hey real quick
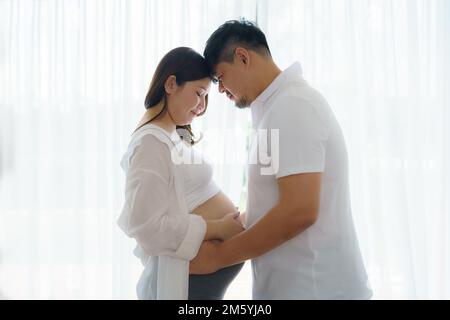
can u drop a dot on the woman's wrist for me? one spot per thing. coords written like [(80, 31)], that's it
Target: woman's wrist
[(213, 229)]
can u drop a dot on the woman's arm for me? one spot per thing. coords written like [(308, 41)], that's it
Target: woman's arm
[(145, 214)]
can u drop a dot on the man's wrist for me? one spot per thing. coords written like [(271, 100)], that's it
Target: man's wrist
[(222, 258)]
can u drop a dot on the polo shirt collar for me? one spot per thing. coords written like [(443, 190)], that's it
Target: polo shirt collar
[(258, 107)]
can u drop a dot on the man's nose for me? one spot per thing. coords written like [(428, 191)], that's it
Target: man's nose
[(221, 87)]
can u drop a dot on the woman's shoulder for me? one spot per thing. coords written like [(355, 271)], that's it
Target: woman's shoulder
[(153, 135), (147, 147)]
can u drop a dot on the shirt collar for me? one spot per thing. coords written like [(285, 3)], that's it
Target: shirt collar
[(173, 136), (258, 107)]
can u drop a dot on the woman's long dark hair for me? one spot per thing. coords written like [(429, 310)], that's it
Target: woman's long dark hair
[(186, 65)]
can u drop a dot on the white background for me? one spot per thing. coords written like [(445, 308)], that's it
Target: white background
[(73, 77)]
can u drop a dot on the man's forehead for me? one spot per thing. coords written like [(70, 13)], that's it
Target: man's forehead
[(217, 70)]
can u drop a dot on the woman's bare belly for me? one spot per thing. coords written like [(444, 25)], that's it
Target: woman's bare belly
[(216, 207), (213, 286)]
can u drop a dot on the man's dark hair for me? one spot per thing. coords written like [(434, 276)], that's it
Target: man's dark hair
[(222, 43)]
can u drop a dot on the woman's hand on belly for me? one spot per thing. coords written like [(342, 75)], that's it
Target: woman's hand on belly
[(243, 218), (221, 216), (224, 228), (230, 226)]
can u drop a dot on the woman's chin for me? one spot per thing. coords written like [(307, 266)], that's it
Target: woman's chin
[(184, 123), (188, 120)]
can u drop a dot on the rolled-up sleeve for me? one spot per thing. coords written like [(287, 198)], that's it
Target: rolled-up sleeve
[(148, 199)]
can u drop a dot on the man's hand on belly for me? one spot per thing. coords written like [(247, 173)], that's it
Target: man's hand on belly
[(207, 260)]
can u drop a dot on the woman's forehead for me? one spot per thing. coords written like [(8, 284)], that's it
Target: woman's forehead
[(202, 83)]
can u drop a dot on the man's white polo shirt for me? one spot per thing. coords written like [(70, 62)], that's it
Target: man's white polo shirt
[(324, 261)]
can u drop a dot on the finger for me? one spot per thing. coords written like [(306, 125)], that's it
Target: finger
[(234, 214)]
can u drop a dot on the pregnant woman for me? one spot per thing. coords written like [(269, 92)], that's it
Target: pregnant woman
[(172, 204)]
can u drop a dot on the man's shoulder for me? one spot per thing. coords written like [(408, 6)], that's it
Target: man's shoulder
[(297, 91), (291, 100), (296, 99)]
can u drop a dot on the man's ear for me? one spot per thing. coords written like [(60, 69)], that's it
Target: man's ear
[(171, 84), (242, 55)]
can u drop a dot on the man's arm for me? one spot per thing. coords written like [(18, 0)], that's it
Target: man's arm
[(296, 210)]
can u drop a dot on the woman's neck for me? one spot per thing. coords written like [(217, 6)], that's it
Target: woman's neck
[(163, 121)]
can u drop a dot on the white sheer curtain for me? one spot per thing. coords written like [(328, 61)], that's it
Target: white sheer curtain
[(384, 67), (73, 76)]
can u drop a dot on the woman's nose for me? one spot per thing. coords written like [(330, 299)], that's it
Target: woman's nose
[(201, 105)]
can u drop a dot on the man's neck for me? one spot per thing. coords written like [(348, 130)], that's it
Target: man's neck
[(266, 76)]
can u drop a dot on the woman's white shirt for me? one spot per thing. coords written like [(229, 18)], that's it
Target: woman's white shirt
[(155, 213), (197, 173)]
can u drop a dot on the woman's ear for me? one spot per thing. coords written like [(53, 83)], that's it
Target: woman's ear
[(171, 84)]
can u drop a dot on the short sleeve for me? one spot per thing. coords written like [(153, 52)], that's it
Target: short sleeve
[(145, 215), (302, 137)]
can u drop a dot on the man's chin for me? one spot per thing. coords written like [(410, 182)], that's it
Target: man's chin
[(242, 104)]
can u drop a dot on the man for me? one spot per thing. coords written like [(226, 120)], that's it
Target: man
[(300, 234)]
